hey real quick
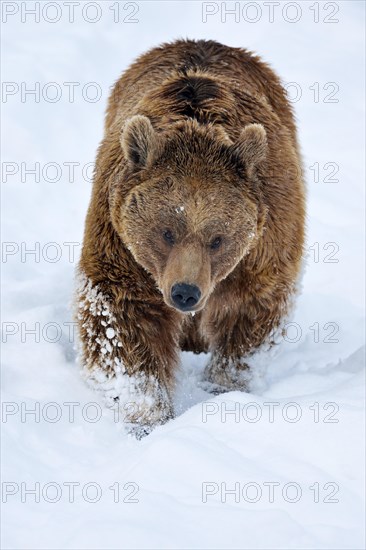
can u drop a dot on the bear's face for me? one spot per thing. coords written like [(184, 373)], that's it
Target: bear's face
[(190, 215)]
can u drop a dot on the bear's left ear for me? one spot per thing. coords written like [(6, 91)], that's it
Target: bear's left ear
[(252, 146), (138, 140)]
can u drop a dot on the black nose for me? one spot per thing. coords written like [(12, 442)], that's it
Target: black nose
[(185, 296)]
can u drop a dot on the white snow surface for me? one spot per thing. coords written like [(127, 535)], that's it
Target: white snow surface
[(285, 468)]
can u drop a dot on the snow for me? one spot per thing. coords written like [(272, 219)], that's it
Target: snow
[(280, 467), (110, 333)]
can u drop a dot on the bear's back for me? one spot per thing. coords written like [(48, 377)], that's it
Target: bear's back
[(238, 69)]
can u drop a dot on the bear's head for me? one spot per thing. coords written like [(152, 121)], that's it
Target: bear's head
[(189, 205)]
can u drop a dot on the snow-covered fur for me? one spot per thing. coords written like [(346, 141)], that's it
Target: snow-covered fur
[(138, 394)]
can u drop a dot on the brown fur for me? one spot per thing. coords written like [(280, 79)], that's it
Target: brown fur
[(199, 141)]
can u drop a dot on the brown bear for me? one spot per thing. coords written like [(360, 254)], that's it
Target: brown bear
[(198, 207)]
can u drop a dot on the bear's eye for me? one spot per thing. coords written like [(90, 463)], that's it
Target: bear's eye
[(216, 243), (168, 237)]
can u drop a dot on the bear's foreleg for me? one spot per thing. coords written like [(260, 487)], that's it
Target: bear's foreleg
[(129, 352), (227, 369), (234, 337)]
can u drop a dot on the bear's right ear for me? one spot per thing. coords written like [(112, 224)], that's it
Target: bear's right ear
[(138, 140)]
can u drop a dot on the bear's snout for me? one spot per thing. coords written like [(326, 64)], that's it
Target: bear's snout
[(185, 296)]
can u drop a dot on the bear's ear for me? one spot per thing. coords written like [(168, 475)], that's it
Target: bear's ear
[(138, 140), (252, 146)]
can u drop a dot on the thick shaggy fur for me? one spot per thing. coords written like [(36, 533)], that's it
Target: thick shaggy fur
[(199, 148)]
